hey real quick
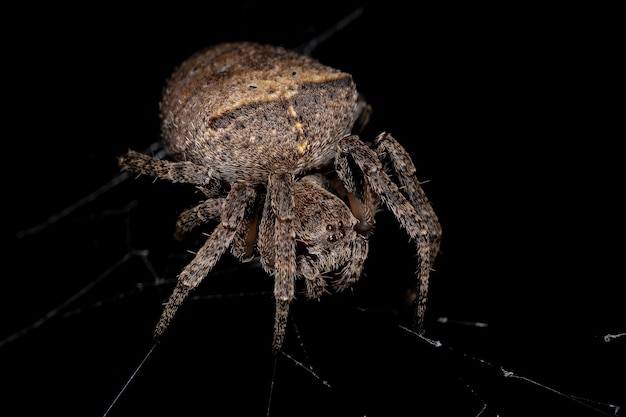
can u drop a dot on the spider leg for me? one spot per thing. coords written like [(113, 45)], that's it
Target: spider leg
[(363, 206), (314, 282), (209, 210), (351, 273), (389, 150), (202, 213), (244, 242), (235, 204), (352, 153), (184, 172), (277, 245)]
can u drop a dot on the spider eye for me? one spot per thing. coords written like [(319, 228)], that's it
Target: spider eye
[(340, 224), (330, 227), (332, 238)]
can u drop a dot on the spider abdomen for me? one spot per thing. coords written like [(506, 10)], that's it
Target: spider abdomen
[(248, 110)]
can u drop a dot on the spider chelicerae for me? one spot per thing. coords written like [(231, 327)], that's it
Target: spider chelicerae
[(270, 138)]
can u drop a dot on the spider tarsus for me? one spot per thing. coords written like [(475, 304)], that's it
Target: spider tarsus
[(280, 324), (176, 299)]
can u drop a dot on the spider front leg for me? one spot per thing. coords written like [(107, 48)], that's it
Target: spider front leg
[(353, 153), (277, 246), (209, 210), (233, 214), (389, 150)]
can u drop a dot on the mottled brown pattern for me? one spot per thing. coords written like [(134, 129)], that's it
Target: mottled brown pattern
[(269, 137), (277, 107)]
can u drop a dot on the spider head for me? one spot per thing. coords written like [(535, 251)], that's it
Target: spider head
[(324, 222)]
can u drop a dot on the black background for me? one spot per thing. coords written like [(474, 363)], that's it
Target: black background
[(511, 115)]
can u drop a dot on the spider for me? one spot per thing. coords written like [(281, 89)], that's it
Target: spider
[(271, 139)]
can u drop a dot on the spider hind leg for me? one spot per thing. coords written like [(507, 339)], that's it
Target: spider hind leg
[(177, 172)]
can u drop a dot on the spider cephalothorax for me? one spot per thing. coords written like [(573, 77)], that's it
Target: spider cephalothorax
[(268, 136)]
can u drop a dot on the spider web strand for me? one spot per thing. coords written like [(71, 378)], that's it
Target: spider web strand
[(55, 311), (119, 394)]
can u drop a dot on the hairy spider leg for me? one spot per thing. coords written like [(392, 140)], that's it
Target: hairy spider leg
[(243, 245), (352, 151), (204, 212), (390, 151), (236, 229), (234, 211), (351, 273), (183, 172), (277, 245)]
